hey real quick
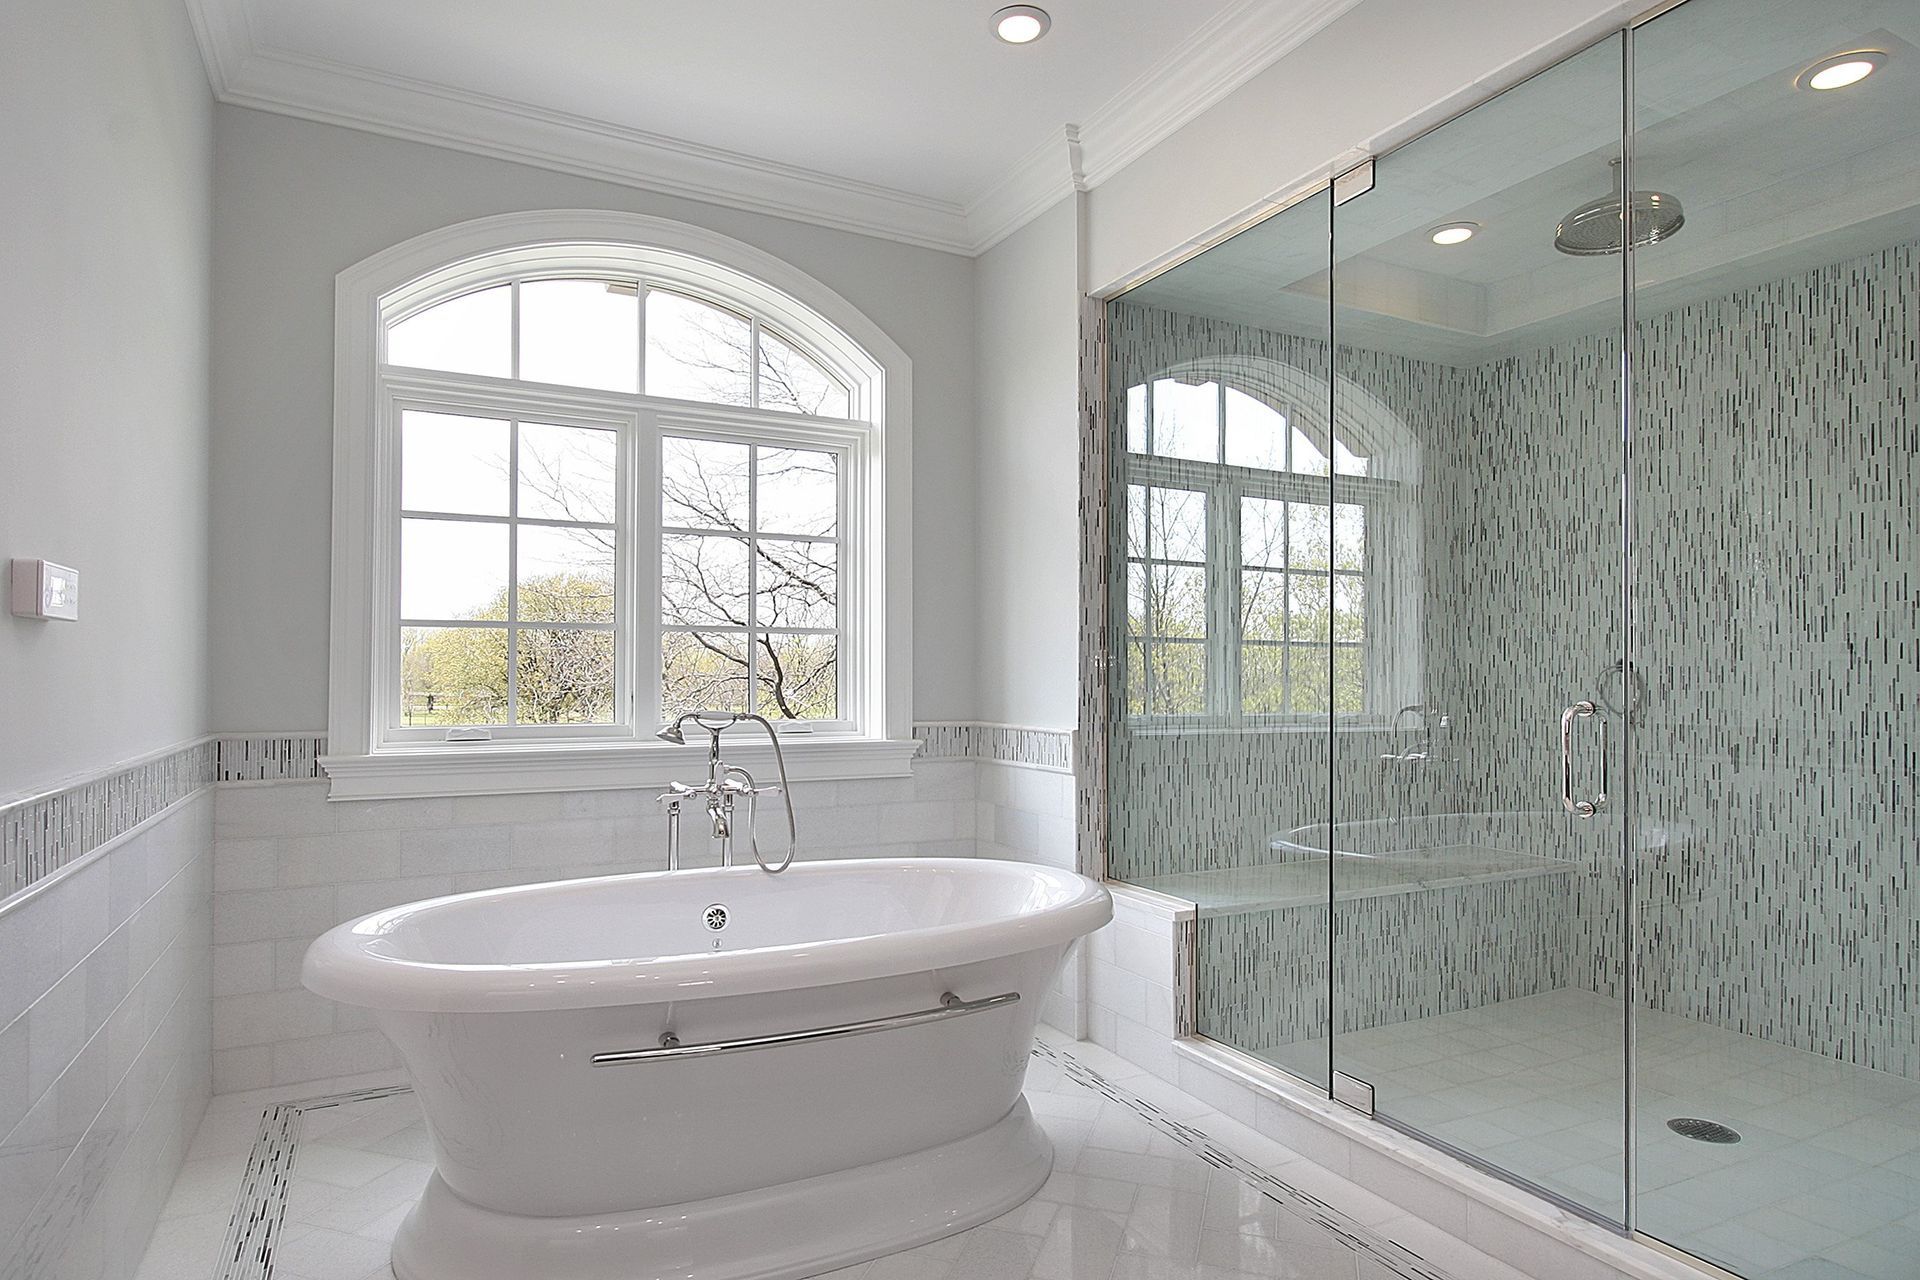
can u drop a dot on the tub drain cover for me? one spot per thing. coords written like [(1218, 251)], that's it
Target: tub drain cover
[(1703, 1130)]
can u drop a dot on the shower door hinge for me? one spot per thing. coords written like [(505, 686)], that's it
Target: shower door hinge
[(1356, 181), (1353, 1091)]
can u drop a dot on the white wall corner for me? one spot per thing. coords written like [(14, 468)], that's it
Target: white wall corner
[(1043, 177)]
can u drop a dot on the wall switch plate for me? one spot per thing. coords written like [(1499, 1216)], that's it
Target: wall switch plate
[(43, 589)]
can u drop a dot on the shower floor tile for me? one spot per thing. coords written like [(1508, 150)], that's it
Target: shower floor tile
[(1149, 1184), (1825, 1180)]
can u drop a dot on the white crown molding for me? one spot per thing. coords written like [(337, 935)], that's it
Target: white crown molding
[(1043, 177), (1221, 55), (1218, 57)]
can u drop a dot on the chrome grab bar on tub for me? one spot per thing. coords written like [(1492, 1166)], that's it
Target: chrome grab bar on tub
[(951, 1006)]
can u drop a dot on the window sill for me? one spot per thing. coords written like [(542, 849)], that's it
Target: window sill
[(1197, 728), (507, 768)]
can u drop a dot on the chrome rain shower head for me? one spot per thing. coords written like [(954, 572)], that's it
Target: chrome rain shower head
[(1594, 229)]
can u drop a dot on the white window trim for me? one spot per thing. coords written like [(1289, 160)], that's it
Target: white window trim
[(441, 263)]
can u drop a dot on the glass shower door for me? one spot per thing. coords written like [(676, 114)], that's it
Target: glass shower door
[(1776, 636), (1475, 604)]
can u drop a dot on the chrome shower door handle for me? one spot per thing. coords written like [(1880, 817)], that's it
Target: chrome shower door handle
[(1582, 808)]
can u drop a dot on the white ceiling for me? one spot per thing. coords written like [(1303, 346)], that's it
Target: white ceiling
[(902, 117)]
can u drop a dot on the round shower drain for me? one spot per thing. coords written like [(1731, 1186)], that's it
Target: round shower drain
[(1703, 1130), (716, 917)]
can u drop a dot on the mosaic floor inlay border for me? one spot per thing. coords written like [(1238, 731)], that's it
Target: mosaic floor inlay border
[(261, 1205), (260, 1208)]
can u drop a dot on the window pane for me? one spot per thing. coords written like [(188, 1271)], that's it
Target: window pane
[(1263, 532), (566, 575), (1308, 458), (798, 677), (696, 351), (1186, 420), (452, 569), (580, 333), (1177, 525), (1178, 678), (453, 675), (799, 491), (1308, 533), (1307, 675), (1263, 676), (703, 484), (1136, 677), (1309, 607), (1178, 600), (798, 586), (568, 473), (1138, 501), (792, 383), (703, 580), (1349, 536), (564, 677), (1349, 608), (1348, 463), (1137, 620), (702, 671), (452, 463), (1349, 678), (1263, 604), (1137, 418), (1256, 433), (469, 334)]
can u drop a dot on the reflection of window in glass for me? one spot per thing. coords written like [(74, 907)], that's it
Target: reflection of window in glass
[(1211, 421), (749, 579), (1167, 600), (1262, 610), (506, 524)]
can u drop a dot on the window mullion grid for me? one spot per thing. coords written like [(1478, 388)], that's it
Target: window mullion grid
[(753, 361), (1286, 606), (513, 551), (1148, 620), (1226, 524), (640, 332), (753, 568)]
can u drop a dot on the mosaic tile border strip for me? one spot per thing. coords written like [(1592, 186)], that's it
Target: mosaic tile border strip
[(261, 1205), (999, 743), (41, 834), (1091, 745), (282, 757), (1391, 1254)]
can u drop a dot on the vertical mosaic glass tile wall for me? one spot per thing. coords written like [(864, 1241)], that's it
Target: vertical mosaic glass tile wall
[(1391, 495)]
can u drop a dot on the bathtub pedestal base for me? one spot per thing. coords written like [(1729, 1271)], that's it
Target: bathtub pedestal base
[(794, 1229)]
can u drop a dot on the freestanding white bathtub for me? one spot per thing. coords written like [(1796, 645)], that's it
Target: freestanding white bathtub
[(806, 1070)]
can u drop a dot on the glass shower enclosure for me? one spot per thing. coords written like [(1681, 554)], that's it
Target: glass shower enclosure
[(1515, 585)]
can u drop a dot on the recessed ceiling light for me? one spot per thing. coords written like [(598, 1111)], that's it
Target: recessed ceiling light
[(1020, 23), (1841, 70), (1453, 232)]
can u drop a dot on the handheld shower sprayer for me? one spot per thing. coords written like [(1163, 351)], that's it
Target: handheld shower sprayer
[(724, 782)]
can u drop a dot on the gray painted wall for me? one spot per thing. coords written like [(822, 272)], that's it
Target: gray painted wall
[(299, 202), (108, 158)]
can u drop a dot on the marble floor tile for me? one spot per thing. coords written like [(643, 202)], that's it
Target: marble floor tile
[(1821, 1183), (1130, 1198)]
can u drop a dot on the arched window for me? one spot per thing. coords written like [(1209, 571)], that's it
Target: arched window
[(599, 482), (1269, 554)]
